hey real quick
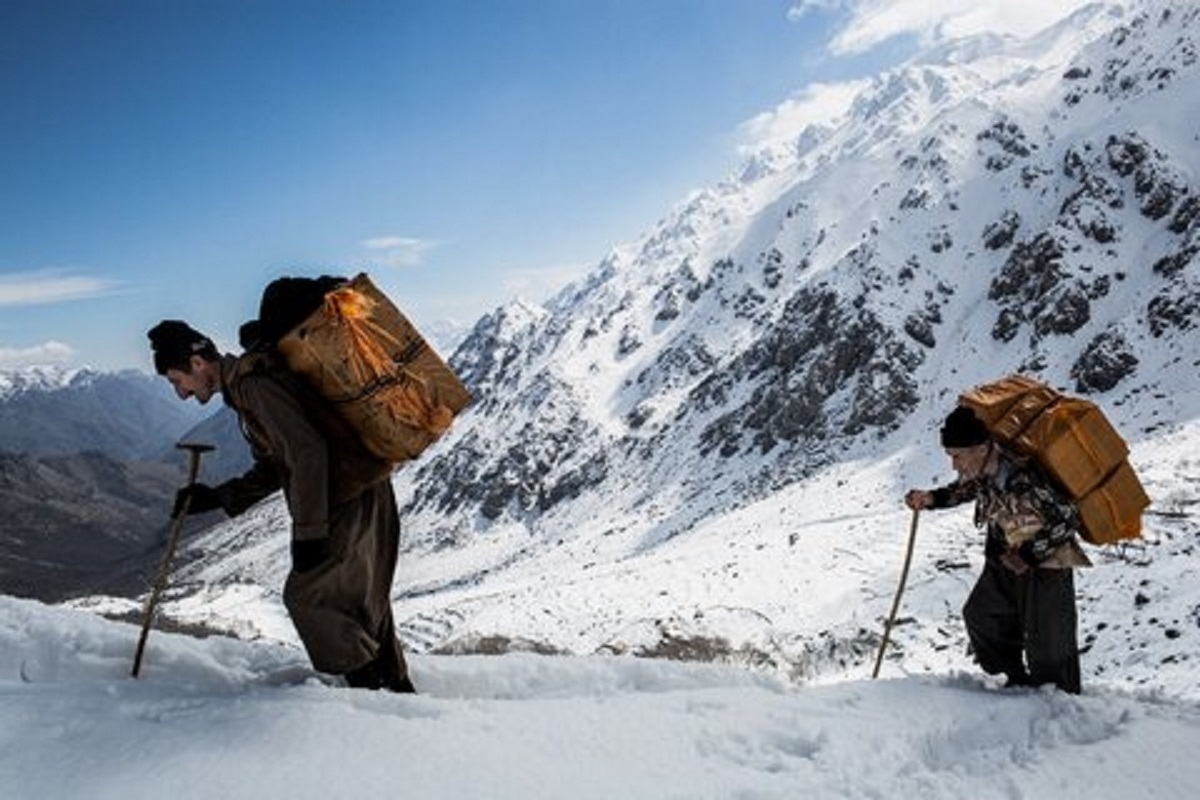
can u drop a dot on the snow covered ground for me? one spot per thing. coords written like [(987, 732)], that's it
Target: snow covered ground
[(221, 718), (794, 588)]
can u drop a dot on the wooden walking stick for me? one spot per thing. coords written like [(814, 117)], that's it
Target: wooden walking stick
[(887, 628), (164, 569)]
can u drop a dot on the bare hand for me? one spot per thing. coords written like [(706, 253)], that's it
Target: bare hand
[(1012, 559), (918, 499)]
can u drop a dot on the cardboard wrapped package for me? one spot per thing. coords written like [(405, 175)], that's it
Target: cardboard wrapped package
[(1075, 443)]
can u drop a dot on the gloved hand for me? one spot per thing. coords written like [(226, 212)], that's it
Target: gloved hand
[(203, 498), (308, 554)]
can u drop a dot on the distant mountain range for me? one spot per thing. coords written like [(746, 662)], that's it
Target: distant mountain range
[(87, 474), (81, 524), (124, 415)]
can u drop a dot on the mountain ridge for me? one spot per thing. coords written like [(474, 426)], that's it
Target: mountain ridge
[(54, 411), (720, 296)]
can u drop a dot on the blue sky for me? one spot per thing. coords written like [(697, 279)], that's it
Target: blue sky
[(163, 158)]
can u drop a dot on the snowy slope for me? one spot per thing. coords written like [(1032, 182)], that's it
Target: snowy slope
[(993, 207), (222, 718), (796, 585)]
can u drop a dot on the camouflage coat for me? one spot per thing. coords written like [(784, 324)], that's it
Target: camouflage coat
[(1022, 511)]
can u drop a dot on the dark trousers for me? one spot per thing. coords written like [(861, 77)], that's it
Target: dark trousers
[(1024, 626), (342, 609)]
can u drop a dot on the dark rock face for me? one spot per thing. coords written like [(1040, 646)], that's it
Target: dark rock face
[(1170, 311), (1004, 143), (921, 326), (821, 345), (539, 467), (1000, 233), (1157, 188), (1034, 287), (677, 365), (1105, 362)]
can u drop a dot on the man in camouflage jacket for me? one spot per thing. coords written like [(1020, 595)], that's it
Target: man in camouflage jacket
[(1020, 617), (345, 524)]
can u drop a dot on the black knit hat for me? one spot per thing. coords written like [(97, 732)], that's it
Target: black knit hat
[(963, 429), (174, 342)]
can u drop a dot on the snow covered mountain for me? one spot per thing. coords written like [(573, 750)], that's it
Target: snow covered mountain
[(699, 450), (43, 378), (994, 207)]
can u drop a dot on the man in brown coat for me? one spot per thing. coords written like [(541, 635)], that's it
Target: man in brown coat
[(345, 524)]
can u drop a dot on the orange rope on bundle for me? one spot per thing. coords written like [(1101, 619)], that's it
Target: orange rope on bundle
[(408, 399)]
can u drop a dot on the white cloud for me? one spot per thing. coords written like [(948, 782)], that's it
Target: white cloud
[(47, 353), (872, 22), (49, 286), (398, 251), (815, 104), (802, 8)]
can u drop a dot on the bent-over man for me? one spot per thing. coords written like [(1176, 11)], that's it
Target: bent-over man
[(345, 524), (1020, 617)]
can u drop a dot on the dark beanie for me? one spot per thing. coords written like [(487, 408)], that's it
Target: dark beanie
[(963, 429), (174, 342)]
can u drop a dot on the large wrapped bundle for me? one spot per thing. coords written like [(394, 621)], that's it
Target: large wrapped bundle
[(1077, 446), (364, 356)]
